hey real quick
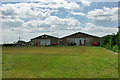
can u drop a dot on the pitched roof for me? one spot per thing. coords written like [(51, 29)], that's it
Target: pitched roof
[(65, 36), (80, 33), (44, 35)]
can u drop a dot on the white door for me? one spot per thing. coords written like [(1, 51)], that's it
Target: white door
[(82, 41), (45, 42), (79, 41)]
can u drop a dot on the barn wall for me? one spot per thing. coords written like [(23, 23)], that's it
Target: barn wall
[(67, 41), (44, 41), (89, 40), (64, 41), (97, 40), (52, 40), (40, 42), (75, 38)]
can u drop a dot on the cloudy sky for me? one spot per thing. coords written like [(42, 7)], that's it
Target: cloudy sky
[(57, 18)]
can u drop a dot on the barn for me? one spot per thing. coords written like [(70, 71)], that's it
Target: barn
[(44, 40), (80, 39)]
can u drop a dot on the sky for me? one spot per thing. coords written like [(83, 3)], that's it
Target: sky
[(58, 18)]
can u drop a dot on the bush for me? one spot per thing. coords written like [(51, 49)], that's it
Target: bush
[(115, 48), (107, 46)]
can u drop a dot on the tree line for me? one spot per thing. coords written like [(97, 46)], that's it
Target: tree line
[(112, 42)]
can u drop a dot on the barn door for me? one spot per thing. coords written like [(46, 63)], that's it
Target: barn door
[(80, 42), (84, 42)]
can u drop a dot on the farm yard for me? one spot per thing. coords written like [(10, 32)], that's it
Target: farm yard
[(59, 62)]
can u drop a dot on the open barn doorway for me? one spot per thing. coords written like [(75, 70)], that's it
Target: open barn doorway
[(82, 42)]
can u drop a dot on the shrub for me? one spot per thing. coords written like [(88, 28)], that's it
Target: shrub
[(115, 48), (107, 46)]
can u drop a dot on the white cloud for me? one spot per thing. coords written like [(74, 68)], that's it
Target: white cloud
[(99, 30), (8, 10), (54, 23), (62, 24), (54, 26), (85, 2), (27, 11), (31, 11), (9, 23), (57, 4), (104, 15), (78, 13), (29, 20), (70, 25)]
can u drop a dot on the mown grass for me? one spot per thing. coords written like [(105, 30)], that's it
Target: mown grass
[(59, 62)]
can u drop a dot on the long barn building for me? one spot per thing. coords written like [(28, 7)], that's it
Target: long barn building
[(44, 40), (79, 39)]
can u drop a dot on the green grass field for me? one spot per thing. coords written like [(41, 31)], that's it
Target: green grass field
[(59, 62)]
